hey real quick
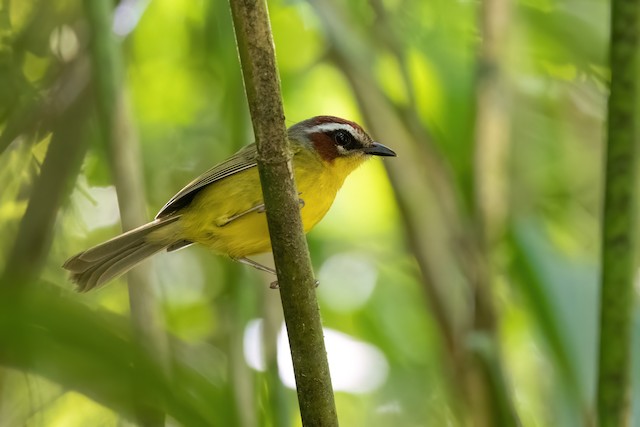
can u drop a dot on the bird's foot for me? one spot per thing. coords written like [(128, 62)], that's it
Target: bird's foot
[(276, 285)]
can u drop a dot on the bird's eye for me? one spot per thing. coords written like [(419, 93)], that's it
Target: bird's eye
[(344, 139)]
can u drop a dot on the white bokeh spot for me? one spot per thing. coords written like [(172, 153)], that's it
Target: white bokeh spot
[(355, 366), (347, 281)]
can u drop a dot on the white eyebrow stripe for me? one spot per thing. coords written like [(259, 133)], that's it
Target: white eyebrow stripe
[(329, 127)]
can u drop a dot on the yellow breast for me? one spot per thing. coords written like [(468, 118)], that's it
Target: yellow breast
[(207, 220)]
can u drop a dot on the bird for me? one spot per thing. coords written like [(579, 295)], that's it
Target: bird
[(223, 208)]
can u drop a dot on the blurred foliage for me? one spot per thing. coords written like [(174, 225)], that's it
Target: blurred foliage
[(69, 359)]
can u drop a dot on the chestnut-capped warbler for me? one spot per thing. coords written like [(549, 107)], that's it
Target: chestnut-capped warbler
[(223, 209)]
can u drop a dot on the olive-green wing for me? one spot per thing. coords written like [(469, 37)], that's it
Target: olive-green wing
[(242, 160)]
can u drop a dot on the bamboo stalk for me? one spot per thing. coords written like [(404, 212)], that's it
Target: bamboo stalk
[(618, 227)]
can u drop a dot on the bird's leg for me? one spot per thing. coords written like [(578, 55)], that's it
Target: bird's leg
[(258, 266), (257, 208), (255, 264), (246, 261)]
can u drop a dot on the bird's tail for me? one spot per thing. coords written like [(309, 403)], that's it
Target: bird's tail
[(96, 266)]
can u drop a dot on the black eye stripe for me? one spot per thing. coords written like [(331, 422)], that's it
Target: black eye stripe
[(345, 139)]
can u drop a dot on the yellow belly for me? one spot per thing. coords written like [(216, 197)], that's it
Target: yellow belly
[(207, 219)]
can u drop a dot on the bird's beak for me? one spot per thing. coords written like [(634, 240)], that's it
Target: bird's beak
[(377, 149)]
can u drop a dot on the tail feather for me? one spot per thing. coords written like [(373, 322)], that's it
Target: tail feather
[(102, 263), (116, 244), (101, 273), (94, 275)]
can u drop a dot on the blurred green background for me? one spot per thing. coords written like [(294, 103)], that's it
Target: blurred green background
[(399, 256)]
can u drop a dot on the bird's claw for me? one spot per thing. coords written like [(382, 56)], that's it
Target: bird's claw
[(275, 285)]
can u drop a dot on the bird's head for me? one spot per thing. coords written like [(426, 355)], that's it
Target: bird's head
[(337, 141)]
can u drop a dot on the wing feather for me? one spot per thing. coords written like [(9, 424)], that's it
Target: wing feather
[(242, 160)]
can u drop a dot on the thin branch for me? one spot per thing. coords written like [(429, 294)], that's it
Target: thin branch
[(619, 219), (61, 165), (295, 276), (429, 242), (422, 216), (492, 123), (491, 147), (443, 253)]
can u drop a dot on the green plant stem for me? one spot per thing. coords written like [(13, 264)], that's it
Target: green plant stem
[(618, 219), (124, 159), (291, 255)]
